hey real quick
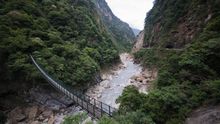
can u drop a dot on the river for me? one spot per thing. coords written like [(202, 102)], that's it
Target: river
[(48, 106), (115, 81)]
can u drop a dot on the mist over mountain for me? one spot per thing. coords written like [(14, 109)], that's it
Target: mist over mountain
[(136, 31)]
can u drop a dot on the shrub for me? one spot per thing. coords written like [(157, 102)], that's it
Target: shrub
[(107, 120), (214, 24), (130, 100), (3, 118), (75, 119)]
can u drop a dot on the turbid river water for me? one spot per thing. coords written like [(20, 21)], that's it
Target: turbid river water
[(115, 81)]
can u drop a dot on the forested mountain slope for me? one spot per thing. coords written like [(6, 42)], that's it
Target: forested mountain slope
[(122, 34), (67, 37), (175, 23), (182, 42)]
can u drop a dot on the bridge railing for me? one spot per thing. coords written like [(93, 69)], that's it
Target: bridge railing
[(93, 106)]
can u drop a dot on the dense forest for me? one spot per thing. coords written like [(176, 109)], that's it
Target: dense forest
[(71, 41), (66, 37), (182, 42)]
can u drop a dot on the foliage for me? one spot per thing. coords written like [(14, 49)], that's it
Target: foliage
[(76, 119), (136, 117), (170, 23), (214, 24), (3, 118), (166, 100), (187, 78), (120, 31), (107, 120), (64, 36), (130, 99), (129, 118)]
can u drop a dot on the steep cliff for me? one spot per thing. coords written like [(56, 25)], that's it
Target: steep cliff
[(120, 31), (182, 42), (138, 44), (176, 23)]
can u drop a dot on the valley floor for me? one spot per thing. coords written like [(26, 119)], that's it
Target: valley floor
[(117, 78), (44, 104)]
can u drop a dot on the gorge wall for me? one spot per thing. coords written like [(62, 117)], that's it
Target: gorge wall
[(139, 42), (182, 41), (120, 31), (176, 23)]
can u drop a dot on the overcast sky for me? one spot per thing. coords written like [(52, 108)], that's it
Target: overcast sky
[(131, 11)]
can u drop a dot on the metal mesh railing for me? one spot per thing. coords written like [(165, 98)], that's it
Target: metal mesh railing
[(93, 106)]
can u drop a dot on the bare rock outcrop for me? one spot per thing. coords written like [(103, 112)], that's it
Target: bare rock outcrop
[(139, 42), (205, 115), (45, 106)]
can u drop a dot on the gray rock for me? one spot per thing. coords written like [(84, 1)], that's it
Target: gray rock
[(16, 115), (40, 118), (66, 101), (35, 122), (47, 113), (54, 104), (51, 120), (20, 117), (33, 111)]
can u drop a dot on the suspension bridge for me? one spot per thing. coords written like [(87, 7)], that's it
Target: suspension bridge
[(94, 107)]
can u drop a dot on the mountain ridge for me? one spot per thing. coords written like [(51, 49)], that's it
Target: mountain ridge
[(136, 31), (120, 31)]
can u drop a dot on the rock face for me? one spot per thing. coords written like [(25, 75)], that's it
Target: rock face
[(45, 106), (120, 30), (175, 23), (139, 42), (17, 114), (207, 115)]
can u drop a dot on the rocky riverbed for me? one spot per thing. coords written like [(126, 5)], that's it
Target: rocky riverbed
[(116, 79)]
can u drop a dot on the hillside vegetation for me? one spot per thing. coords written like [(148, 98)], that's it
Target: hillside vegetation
[(176, 23), (122, 34), (188, 77), (66, 37)]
